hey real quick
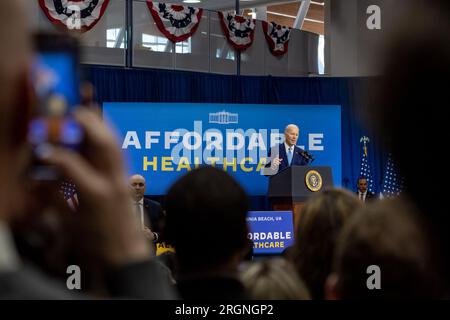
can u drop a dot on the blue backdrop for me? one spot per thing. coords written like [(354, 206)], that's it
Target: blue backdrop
[(147, 85), (164, 140)]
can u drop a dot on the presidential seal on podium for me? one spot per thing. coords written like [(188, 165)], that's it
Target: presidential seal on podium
[(313, 180)]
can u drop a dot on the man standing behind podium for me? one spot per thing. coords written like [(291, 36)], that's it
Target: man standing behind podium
[(149, 213), (288, 154), (363, 193)]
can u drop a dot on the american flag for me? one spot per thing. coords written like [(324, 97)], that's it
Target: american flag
[(392, 182), (69, 193), (364, 170)]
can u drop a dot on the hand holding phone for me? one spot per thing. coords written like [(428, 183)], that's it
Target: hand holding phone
[(56, 78)]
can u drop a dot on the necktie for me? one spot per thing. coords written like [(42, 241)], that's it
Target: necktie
[(290, 155), (139, 215)]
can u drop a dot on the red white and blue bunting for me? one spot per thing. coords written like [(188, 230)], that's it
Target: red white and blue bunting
[(176, 22), (76, 15), (239, 31), (277, 37)]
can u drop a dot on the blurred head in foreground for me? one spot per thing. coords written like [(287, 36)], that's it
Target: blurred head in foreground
[(408, 109), (206, 221), (15, 103), (273, 279), (322, 219), (383, 252)]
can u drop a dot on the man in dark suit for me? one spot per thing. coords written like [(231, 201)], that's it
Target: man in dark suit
[(287, 154), (149, 213), (363, 193)]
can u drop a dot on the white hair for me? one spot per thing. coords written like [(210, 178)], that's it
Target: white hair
[(291, 125)]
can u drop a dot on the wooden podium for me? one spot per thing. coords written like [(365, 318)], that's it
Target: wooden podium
[(289, 190)]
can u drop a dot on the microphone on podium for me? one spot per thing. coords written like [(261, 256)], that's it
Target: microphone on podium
[(305, 154)]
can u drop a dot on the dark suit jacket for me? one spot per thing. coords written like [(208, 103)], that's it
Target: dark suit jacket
[(369, 196), (154, 217), (297, 160)]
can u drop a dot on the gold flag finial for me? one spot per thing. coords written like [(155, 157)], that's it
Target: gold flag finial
[(364, 140)]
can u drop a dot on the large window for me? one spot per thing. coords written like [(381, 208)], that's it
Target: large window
[(207, 50), (155, 43), (184, 47), (224, 54), (115, 38), (321, 54)]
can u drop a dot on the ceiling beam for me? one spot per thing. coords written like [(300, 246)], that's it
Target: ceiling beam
[(301, 14), (230, 4)]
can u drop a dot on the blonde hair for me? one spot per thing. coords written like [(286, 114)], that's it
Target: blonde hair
[(273, 279)]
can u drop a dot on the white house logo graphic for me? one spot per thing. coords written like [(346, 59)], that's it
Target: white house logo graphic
[(223, 117)]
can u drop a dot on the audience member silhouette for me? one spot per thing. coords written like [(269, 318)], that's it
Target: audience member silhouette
[(206, 223), (273, 279), (384, 253), (322, 219), (407, 107)]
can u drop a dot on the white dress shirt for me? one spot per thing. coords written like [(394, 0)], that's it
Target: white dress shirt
[(141, 217), (140, 211), (286, 146), (362, 196), (291, 148)]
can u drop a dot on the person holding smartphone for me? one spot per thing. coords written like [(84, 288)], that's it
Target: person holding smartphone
[(110, 236)]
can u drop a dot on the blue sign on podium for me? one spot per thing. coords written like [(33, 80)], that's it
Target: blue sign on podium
[(270, 231)]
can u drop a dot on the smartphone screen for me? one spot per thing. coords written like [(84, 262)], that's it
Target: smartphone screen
[(56, 82), (55, 73)]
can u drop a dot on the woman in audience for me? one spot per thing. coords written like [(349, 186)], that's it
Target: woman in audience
[(273, 279), (320, 223)]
